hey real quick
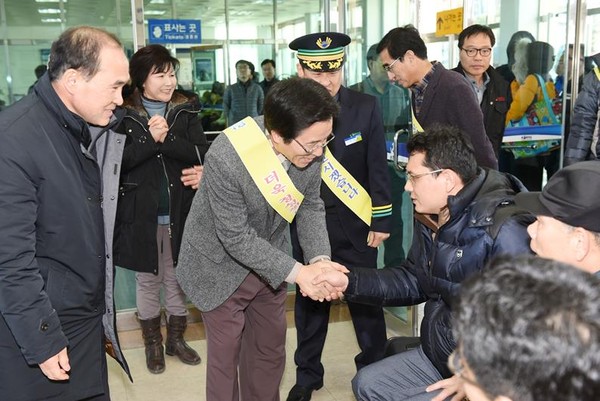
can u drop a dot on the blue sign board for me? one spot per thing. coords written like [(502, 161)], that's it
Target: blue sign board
[(174, 31)]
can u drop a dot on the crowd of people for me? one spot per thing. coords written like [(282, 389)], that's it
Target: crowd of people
[(105, 163)]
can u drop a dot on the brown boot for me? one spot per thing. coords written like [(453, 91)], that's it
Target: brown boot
[(176, 345), (155, 357)]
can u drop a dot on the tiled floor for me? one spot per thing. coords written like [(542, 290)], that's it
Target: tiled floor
[(181, 382)]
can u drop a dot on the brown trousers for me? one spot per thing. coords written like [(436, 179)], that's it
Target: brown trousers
[(246, 332)]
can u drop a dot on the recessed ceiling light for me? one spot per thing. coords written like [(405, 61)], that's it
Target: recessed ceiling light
[(49, 11)]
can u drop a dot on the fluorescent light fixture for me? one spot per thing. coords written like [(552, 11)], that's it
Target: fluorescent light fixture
[(154, 12), (49, 11), (158, 1), (51, 20), (50, 1)]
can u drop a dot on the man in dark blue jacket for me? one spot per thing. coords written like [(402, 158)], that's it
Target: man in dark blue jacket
[(60, 161), (461, 223)]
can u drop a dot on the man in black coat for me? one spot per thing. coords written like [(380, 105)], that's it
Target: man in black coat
[(60, 162), (460, 224), (475, 45), (359, 146)]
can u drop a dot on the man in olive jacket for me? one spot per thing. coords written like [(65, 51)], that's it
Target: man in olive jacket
[(60, 163)]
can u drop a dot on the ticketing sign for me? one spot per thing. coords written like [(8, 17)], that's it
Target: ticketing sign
[(165, 31)]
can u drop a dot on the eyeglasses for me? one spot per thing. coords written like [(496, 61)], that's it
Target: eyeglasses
[(312, 149), (413, 177), (388, 67), (485, 52)]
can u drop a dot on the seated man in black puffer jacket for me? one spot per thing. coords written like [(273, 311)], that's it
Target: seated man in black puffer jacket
[(463, 217)]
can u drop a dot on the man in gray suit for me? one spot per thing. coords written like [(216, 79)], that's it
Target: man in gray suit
[(234, 263)]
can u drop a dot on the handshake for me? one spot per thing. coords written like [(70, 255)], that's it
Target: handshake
[(322, 281)]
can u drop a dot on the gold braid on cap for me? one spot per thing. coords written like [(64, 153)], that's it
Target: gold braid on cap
[(313, 65), (334, 65)]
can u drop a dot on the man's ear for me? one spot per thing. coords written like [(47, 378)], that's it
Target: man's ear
[(70, 79), (581, 239), (451, 180), (370, 64), (275, 137), (300, 70), (502, 398)]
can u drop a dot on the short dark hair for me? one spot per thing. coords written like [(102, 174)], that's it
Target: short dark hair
[(295, 104), (79, 48), (445, 146), (475, 29), (150, 59), (400, 40), (372, 53), (249, 64), (268, 61), (40, 70), (529, 330)]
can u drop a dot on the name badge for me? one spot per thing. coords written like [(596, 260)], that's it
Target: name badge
[(353, 138)]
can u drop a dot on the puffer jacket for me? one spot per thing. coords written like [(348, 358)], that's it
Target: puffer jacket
[(494, 105), (436, 265), (584, 123), (144, 164)]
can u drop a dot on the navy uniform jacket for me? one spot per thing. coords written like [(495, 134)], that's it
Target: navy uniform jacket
[(364, 159)]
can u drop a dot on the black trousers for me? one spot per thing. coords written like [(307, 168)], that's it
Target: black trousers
[(312, 317)]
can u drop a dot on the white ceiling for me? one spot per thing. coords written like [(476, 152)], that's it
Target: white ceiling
[(25, 15)]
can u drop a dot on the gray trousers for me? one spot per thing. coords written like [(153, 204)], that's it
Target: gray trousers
[(148, 285), (246, 333), (403, 376)]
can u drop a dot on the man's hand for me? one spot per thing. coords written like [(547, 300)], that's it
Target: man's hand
[(57, 366), (323, 290), (191, 176), (374, 239), (450, 386), (335, 279), (158, 127)]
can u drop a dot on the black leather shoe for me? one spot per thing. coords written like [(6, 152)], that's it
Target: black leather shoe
[(299, 393)]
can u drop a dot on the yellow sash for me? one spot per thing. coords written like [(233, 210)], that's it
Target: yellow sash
[(346, 188), (416, 125), (257, 154)]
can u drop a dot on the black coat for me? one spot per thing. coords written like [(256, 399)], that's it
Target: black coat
[(365, 160), (145, 163), (58, 187), (494, 105), (435, 267)]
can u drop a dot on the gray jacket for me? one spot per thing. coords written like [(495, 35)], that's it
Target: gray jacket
[(232, 230), (242, 100)]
